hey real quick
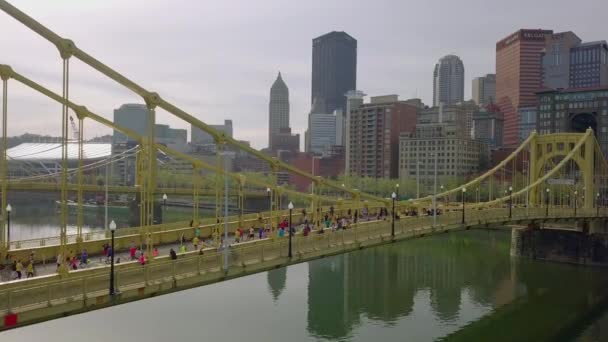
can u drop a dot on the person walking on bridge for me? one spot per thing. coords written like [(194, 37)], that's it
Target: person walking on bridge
[(173, 254), (30, 269), (110, 252), (19, 269), (195, 242), (237, 235), (84, 257)]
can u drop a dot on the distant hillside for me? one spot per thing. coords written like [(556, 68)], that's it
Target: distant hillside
[(29, 137)]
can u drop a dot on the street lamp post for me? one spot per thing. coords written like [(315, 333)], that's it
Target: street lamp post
[(597, 204), (164, 206), (105, 222), (435, 193), (418, 179), (112, 230), (269, 194), (575, 201), (8, 225), (510, 201), (393, 196), (527, 183), (312, 184), (290, 207), (547, 201), (397, 189), (464, 191)]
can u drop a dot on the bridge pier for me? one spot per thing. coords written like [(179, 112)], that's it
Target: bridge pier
[(583, 246)]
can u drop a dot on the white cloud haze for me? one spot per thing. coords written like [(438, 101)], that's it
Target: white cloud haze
[(218, 59)]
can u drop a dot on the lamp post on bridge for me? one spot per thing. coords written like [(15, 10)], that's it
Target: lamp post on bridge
[(290, 207), (269, 194), (112, 230), (575, 201), (510, 201), (418, 179), (597, 204), (8, 226), (393, 196), (464, 191), (164, 206), (547, 201), (435, 192)]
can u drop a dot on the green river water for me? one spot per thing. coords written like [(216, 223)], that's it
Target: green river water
[(463, 285)]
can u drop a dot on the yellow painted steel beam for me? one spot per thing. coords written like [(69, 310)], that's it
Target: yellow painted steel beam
[(4, 241), (540, 180), (85, 113), (66, 46), (486, 174), (54, 187)]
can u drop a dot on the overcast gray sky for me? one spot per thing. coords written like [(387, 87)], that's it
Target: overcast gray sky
[(218, 59)]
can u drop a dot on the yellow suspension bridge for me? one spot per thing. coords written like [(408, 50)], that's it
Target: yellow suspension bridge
[(517, 191)]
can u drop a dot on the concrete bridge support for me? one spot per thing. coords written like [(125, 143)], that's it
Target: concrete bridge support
[(568, 246)]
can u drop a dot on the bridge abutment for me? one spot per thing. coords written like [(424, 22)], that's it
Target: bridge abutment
[(584, 246)]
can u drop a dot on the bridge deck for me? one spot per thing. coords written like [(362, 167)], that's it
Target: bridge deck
[(45, 297)]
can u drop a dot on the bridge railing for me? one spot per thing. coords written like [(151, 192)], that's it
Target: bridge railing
[(88, 285), (47, 248)]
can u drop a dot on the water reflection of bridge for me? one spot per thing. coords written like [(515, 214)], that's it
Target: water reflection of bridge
[(381, 283), (384, 284)]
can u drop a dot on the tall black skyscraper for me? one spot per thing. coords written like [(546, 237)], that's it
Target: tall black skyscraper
[(334, 71)]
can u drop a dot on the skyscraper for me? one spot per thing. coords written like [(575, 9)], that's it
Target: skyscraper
[(484, 89), (354, 100), (278, 108), (448, 81), (322, 132), (589, 65), (374, 136), (518, 76), (133, 116), (334, 71), (556, 59)]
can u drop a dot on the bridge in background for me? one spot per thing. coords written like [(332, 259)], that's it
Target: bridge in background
[(548, 178)]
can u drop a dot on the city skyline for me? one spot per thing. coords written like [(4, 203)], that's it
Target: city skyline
[(217, 81)]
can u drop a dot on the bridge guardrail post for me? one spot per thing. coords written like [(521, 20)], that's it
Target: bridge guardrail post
[(48, 295), (84, 291), (173, 271), (9, 300), (198, 265), (146, 274), (262, 253)]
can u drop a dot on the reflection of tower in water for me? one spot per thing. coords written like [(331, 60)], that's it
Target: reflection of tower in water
[(381, 283), (276, 282)]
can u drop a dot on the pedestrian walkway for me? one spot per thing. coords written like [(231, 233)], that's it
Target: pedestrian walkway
[(123, 256)]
